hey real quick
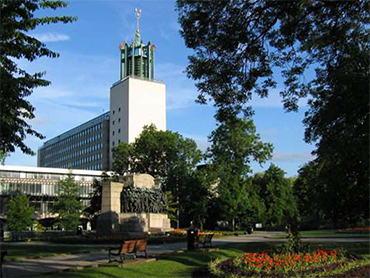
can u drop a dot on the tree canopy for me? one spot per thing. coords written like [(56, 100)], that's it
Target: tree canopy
[(19, 213), (68, 206), (234, 145), (238, 43), (17, 19), (165, 155), (321, 51), (276, 193)]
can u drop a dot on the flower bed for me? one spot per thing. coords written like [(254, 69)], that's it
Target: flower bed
[(269, 264)]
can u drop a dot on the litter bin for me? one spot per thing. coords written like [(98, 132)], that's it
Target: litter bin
[(192, 236), (79, 231), (250, 230)]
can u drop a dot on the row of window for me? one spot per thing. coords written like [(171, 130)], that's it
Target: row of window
[(74, 146), (75, 154), (114, 143), (119, 110), (119, 120), (39, 189), (42, 176), (119, 131), (97, 166), (76, 136)]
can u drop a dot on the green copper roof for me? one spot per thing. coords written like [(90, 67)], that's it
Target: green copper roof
[(137, 59)]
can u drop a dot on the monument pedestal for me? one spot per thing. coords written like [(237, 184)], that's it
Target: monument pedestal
[(111, 220)]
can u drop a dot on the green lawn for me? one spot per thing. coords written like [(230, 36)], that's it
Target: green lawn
[(184, 264), (328, 233), (32, 250)]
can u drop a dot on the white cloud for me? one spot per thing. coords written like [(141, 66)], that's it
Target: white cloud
[(181, 92), (51, 37)]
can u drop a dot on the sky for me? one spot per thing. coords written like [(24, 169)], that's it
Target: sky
[(89, 64)]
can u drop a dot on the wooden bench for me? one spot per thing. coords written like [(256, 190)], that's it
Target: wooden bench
[(129, 247), (141, 247), (2, 256), (206, 239)]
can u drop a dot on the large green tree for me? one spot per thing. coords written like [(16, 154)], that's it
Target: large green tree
[(308, 190), (17, 19), (235, 144), (19, 213), (321, 51), (276, 192), (166, 155), (238, 43), (68, 206)]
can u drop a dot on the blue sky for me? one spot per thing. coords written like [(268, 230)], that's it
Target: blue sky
[(89, 64)]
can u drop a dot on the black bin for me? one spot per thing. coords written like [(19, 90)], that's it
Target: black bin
[(192, 236)]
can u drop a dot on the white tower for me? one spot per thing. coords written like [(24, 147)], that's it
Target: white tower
[(136, 100)]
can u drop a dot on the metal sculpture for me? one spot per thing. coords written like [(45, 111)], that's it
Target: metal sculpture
[(143, 200)]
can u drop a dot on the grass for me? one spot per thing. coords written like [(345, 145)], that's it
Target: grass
[(184, 264), (32, 250), (328, 234)]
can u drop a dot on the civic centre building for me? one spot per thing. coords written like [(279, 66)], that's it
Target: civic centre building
[(136, 100), (41, 186)]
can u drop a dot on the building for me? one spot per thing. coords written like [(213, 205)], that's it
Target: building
[(83, 147), (41, 186), (136, 100)]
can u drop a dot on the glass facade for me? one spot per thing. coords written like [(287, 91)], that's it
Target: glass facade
[(41, 186), (84, 147)]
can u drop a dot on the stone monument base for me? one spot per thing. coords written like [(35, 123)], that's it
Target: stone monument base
[(111, 220), (133, 223)]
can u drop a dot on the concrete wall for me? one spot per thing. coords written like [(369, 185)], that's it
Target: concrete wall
[(135, 103)]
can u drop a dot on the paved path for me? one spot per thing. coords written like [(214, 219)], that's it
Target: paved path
[(36, 267)]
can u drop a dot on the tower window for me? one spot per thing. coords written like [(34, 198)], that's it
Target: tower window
[(113, 112), (119, 120), (113, 122), (119, 109), (119, 130)]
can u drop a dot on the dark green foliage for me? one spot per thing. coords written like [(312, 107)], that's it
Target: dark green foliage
[(3, 156), (95, 202), (167, 156), (234, 145), (162, 154), (19, 213), (306, 188), (276, 193), (321, 49), (237, 44), (17, 19), (196, 195), (68, 206)]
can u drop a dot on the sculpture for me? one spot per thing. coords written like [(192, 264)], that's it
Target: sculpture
[(143, 200)]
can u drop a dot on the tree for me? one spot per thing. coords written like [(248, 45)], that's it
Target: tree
[(237, 44), (3, 156), (68, 206), (195, 197), (17, 19), (19, 213), (234, 145), (308, 187), (276, 192), (165, 155), (240, 45)]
